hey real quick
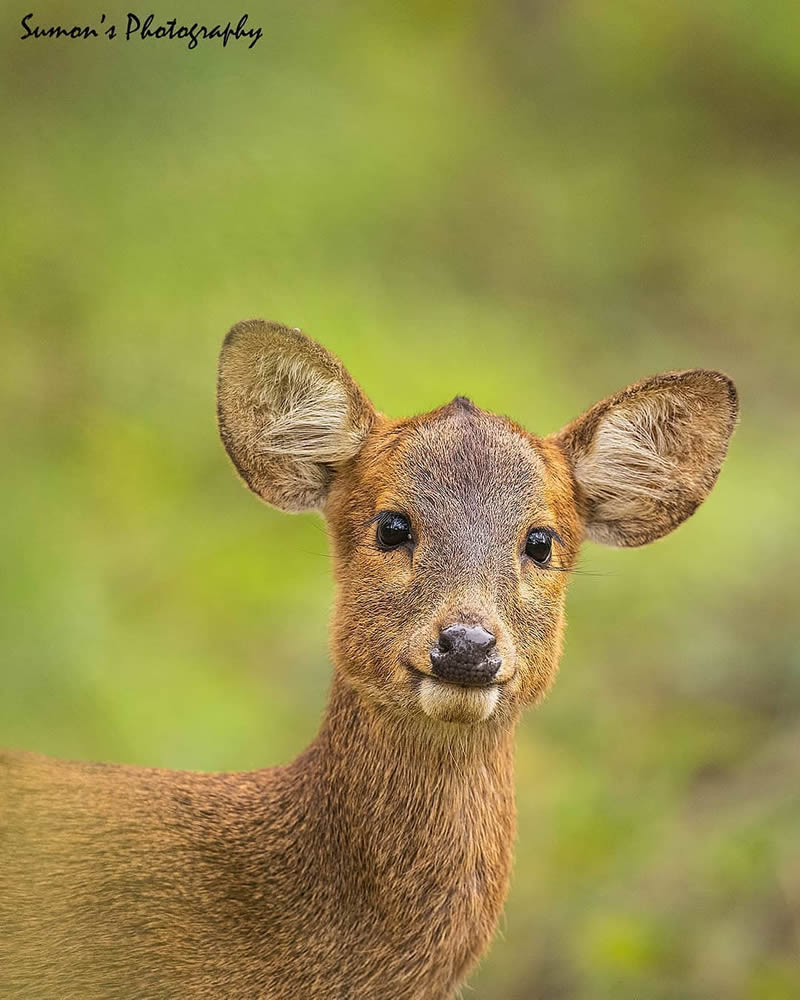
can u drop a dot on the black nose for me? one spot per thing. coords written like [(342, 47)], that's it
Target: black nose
[(463, 655)]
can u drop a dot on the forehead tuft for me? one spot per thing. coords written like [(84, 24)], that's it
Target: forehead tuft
[(463, 401)]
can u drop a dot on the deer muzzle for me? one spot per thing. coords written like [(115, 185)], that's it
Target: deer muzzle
[(464, 655)]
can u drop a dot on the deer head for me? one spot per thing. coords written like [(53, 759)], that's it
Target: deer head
[(453, 532)]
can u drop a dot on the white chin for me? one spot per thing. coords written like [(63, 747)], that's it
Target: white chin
[(451, 703)]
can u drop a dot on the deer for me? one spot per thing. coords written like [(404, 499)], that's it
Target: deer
[(377, 863)]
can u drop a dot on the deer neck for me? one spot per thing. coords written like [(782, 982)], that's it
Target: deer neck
[(410, 807)]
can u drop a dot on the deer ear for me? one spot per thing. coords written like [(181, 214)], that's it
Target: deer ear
[(646, 458), (289, 413)]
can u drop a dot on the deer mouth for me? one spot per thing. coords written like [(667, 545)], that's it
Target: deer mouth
[(469, 683), (449, 702)]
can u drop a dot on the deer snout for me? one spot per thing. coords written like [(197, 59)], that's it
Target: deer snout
[(464, 655)]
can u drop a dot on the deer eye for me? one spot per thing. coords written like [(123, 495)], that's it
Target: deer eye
[(393, 530), (538, 546)]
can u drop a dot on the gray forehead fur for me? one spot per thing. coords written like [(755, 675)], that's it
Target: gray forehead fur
[(468, 467)]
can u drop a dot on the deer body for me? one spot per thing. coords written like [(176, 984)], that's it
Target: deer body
[(354, 867), (377, 863)]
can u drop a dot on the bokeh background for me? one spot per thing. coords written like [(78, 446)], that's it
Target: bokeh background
[(533, 204)]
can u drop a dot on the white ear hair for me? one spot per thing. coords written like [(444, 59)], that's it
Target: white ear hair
[(629, 458), (313, 419)]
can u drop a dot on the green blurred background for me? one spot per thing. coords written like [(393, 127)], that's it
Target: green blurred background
[(529, 203)]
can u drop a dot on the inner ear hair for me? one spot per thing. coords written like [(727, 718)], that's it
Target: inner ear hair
[(645, 458), (289, 413)]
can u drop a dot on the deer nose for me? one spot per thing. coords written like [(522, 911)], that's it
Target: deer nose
[(463, 655)]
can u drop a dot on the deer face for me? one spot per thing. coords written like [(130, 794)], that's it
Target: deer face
[(453, 533)]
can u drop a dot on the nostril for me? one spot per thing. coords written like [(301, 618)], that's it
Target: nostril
[(448, 637), (478, 638)]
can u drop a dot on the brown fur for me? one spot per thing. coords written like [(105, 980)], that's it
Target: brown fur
[(376, 864)]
